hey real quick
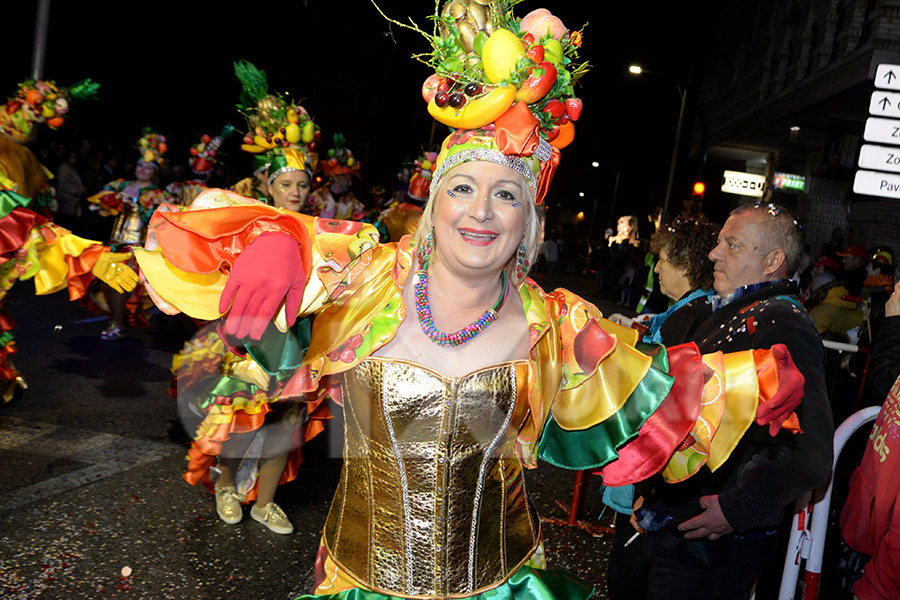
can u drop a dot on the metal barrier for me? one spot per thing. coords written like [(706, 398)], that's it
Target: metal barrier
[(810, 523)]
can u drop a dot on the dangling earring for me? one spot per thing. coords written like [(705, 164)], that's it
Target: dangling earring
[(426, 250), (521, 260)]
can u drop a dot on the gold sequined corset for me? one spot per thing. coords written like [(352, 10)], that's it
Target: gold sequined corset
[(432, 499)]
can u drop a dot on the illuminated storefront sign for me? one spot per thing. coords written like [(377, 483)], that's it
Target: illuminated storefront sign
[(789, 182), (744, 184)]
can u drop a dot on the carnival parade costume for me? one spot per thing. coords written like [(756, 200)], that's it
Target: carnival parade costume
[(230, 390), (132, 203), (432, 499), (32, 246)]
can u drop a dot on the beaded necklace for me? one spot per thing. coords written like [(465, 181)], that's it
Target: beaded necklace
[(460, 337)]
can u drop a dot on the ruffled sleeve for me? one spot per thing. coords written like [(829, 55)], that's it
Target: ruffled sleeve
[(54, 257), (631, 411), (196, 249)]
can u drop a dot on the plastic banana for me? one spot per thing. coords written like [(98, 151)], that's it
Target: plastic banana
[(475, 113)]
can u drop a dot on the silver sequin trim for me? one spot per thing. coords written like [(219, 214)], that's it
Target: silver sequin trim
[(405, 487), (495, 156), (286, 170), (544, 150), (480, 487)]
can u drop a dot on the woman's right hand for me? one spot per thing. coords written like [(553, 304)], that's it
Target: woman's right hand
[(267, 272)]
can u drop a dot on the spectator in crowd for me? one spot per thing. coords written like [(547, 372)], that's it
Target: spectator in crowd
[(870, 520), (855, 259), (712, 535)]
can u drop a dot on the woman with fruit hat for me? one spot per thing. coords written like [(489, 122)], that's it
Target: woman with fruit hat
[(248, 436), (204, 156), (335, 196), (132, 202), (31, 246), (457, 370), (282, 139)]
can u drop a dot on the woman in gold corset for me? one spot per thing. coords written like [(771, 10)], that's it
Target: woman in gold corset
[(455, 371)]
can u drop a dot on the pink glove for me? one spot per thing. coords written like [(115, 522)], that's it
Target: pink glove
[(268, 271)]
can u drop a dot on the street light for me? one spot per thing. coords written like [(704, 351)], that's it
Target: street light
[(581, 194), (636, 70)]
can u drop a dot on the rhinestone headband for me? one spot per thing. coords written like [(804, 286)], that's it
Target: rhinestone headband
[(495, 156)]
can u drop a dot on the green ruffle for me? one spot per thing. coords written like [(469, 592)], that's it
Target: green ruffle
[(11, 200), (596, 446), (6, 338), (280, 353), (528, 583)]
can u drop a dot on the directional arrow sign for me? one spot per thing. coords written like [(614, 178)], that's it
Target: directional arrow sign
[(884, 104), (880, 158), (887, 77), (877, 184), (886, 131)]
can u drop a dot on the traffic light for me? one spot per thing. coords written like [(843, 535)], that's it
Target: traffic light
[(699, 188)]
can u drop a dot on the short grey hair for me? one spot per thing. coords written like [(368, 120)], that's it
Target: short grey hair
[(784, 231)]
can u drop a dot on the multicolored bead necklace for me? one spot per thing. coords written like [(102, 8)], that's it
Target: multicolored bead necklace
[(456, 338)]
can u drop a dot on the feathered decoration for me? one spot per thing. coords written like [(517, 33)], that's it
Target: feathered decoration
[(86, 89), (254, 82)]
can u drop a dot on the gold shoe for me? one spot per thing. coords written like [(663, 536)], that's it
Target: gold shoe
[(272, 517), (10, 391), (228, 505)]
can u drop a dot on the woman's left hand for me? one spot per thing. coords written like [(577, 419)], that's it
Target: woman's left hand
[(268, 271)]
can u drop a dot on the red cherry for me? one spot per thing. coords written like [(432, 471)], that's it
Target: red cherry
[(473, 88), (457, 100), (318, 135), (441, 99), (312, 146), (356, 341), (205, 139), (348, 356), (334, 355)]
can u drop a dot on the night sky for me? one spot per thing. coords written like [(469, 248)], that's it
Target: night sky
[(168, 64)]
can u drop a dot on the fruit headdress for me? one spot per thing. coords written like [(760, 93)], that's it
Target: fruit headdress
[(204, 153), (152, 146), (340, 158), (420, 181), (41, 101), (275, 124), (505, 85)]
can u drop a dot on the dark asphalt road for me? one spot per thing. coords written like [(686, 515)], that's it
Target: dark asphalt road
[(94, 504)]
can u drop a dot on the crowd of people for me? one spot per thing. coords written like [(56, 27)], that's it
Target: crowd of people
[(415, 315)]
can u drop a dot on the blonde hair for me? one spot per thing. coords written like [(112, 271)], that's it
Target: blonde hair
[(531, 239)]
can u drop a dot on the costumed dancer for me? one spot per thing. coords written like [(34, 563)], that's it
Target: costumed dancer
[(32, 247), (335, 196), (402, 218), (204, 156), (274, 124), (132, 203), (249, 441), (458, 371)]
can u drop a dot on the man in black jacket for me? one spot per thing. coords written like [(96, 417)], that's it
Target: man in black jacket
[(720, 527)]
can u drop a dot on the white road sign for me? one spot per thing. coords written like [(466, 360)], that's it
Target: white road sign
[(872, 183), (886, 131), (879, 158), (885, 104), (887, 77)]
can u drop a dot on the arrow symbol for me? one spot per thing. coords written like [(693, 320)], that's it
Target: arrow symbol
[(884, 102), (889, 76)]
